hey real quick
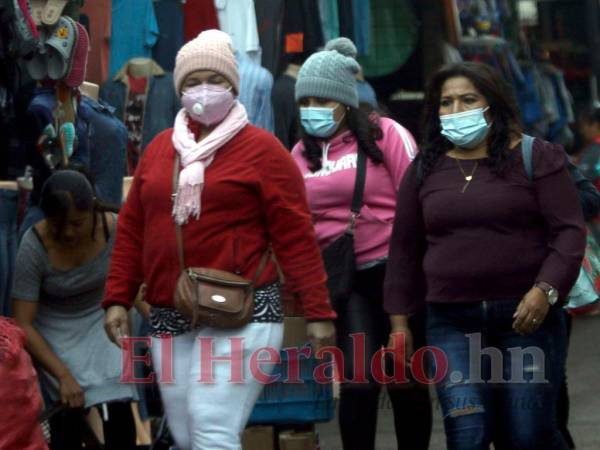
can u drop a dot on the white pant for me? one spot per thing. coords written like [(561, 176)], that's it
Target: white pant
[(203, 416)]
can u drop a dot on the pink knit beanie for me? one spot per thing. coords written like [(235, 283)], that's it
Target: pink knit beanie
[(211, 50)]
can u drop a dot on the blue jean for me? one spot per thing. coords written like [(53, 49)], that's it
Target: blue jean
[(33, 215), (8, 246), (508, 398)]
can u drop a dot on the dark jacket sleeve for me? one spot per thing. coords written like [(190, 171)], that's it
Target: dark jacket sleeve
[(404, 286), (588, 194), (558, 203)]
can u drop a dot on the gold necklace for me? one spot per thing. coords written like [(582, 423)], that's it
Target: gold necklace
[(468, 178)]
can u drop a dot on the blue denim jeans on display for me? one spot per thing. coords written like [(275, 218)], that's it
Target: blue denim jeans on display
[(102, 144), (33, 215), (8, 246), (507, 397)]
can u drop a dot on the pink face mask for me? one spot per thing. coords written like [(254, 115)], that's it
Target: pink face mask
[(207, 103)]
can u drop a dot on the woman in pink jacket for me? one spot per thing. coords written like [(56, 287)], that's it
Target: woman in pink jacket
[(334, 129)]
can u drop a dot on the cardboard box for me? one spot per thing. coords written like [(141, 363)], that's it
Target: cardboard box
[(258, 438), (294, 332), (289, 440)]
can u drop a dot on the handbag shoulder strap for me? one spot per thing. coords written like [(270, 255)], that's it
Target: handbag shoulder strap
[(262, 265), (179, 236), (359, 187), (527, 153)]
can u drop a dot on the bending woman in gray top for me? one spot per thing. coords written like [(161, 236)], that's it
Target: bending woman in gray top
[(59, 280)]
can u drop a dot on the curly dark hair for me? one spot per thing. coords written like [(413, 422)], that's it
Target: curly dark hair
[(503, 111), (363, 123)]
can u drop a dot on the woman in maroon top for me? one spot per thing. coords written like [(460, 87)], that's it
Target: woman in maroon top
[(239, 192), (491, 254)]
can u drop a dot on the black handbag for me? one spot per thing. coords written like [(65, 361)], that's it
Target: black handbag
[(339, 257)]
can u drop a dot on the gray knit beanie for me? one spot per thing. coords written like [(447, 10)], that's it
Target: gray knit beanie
[(344, 46), (330, 74)]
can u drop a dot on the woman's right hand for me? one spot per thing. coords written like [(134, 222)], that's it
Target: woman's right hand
[(71, 393), (402, 330), (116, 324)]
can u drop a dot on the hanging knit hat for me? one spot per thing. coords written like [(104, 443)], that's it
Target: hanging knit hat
[(211, 50), (330, 74)]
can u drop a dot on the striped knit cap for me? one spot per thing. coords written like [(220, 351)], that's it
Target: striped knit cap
[(211, 50), (329, 74)]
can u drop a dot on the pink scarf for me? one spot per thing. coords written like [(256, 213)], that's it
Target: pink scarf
[(197, 156)]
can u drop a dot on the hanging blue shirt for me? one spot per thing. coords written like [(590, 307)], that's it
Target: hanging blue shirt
[(134, 32), (256, 84), (169, 14), (361, 13)]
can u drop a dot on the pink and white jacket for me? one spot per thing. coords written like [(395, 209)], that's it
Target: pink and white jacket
[(330, 189)]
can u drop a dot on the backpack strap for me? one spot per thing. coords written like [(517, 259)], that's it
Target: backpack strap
[(527, 153)]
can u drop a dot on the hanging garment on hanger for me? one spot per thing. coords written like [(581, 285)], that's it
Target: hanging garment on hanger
[(346, 17), (256, 84), (559, 131), (199, 16), (134, 120), (269, 18), (497, 53), (330, 19), (566, 97), (529, 99), (302, 28), (96, 125), (170, 18), (361, 16), (451, 54), (238, 19), (549, 100), (99, 14), (132, 38), (285, 110), (161, 106), (393, 37)]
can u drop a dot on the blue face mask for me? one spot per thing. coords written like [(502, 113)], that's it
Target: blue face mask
[(465, 129), (319, 122)]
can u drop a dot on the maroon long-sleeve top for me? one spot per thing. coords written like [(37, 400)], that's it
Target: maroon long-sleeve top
[(492, 242)]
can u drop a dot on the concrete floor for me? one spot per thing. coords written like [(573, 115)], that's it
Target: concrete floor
[(584, 386)]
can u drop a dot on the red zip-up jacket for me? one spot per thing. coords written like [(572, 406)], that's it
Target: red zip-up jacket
[(253, 195)]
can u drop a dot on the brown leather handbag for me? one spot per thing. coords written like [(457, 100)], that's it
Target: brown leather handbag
[(213, 297)]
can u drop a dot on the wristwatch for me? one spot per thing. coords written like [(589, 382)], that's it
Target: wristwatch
[(551, 292)]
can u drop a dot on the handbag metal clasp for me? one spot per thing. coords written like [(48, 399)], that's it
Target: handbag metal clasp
[(193, 275), (352, 224)]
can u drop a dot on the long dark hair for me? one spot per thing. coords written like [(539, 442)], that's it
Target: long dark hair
[(363, 123), (72, 188), (503, 112)]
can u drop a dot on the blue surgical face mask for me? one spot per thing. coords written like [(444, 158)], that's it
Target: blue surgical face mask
[(319, 122), (465, 129)]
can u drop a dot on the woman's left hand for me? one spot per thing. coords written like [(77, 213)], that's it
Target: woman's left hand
[(531, 312), (321, 334)]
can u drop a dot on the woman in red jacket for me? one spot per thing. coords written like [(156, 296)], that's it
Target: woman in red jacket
[(239, 191)]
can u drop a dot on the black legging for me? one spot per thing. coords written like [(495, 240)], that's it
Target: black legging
[(363, 313), (67, 428)]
